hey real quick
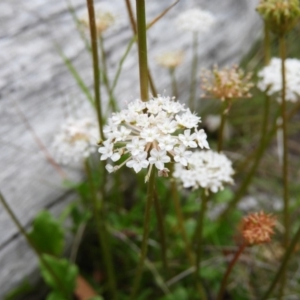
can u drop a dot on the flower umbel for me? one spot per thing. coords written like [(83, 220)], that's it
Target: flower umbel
[(149, 134), (226, 84), (205, 169), (280, 15), (195, 20), (76, 140), (257, 228), (170, 60), (271, 79)]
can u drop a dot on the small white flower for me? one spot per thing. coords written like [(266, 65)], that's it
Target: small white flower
[(138, 162), (271, 78), (147, 134), (159, 158), (109, 168), (201, 138), (188, 139), (195, 20), (206, 169), (181, 155)]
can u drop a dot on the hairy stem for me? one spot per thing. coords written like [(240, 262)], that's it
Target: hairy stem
[(102, 233), (194, 72), (93, 32), (162, 234), (199, 232), (142, 48), (228, 271), (173, 82), (144, 248)]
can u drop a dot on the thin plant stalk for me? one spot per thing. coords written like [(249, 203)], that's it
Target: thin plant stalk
[(94, 39), (142, 48), (173, 82), (285, 167), (199, 231), (112, 100), (228, 271), (144, 248), (258, 156), (284, 262), (224, 111), (161, 230), (188, 249), (32, 245), (101, 233), (194, 72)]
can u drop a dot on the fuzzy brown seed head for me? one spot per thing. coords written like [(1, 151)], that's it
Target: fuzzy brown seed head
[(280, 15), (226, 84), (257, 228)]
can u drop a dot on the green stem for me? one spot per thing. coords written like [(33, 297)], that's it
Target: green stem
[(222, 125), (142, 48), (258, 155), (173, 82), (228, 271), (144, 248), (93, 32), (194, 72), (267, 48), (33, 247), (161, 229), (112, 100), (102, 233), (286, 214), (187, 245), (283, 265), (199, 232)]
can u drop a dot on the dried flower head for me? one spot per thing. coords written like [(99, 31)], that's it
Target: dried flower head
[(257, 228), (104, 19), (76, 140), (206, 169), (170, 60), (226, 84), (151, 134), (270, 78), (195, 20), (280, 15)]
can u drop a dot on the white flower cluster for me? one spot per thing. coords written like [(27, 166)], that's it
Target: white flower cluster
[(271, 80), (206, 169), (195, 20), (150, 134), (76, 140)]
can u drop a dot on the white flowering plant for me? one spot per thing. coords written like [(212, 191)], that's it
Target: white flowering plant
[(152, 134)]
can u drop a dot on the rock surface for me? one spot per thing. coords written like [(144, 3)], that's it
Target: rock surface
[(34, 80)]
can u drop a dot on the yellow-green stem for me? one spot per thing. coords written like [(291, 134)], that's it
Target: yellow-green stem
[(228, 271), (194, 72), (112, 100), (101, 232), (286, 214), (161, 230), (188, 249), (173, 82), (93, 33), (282, 268), (144, 248), (222, 125), (33, 247), (199, 232), (142, 48)]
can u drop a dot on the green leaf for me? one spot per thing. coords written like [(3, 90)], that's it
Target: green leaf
[(47, 234), (65, 274), (55, 296)]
